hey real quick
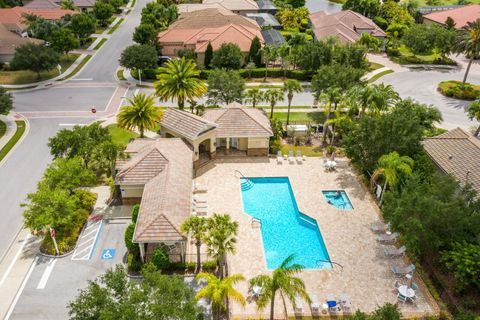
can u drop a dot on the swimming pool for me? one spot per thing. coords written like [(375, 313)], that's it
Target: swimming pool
[(338, 198), (284, 229)]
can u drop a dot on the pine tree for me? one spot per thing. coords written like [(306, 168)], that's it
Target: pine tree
[(208, 56), (254, 53)]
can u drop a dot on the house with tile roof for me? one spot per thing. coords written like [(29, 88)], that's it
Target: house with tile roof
[(461, 16), (236, 6), (83, 5), (159, 176), (194, 30), (347, 26), (456, 153), (229, 131), (10, 41), (14, 18)]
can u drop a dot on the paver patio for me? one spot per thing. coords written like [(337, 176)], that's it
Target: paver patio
[(366, 276)]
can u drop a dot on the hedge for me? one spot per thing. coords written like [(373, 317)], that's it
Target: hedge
[(453, 89)]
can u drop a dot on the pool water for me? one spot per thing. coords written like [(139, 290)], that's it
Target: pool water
[(285, 230), (338, 198)]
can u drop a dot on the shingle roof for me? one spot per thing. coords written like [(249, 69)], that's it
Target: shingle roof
[(9, 41), (236, 122), (185, 123), (460, 15), (346, 25), (457, 153), (166, 199)]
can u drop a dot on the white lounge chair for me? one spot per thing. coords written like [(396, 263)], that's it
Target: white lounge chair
[(345, 303), (279, 157), (298, 310), (380, 227), (199, 199), (332, 304), (198, 188), (387, 238), (202, 205), (315, 305), (299, 157), (291, 158), (394, 252), (200, 211)]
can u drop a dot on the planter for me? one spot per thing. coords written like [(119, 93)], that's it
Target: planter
[(453, 89)]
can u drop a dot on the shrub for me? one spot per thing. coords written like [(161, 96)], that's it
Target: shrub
[(86, 199), (160, 259), (331, 149), (275, 145), (135, 210), (209, 266), (393, 52), (388, 311), (134, 262), (190, 266), (132, 247), (453, 89)]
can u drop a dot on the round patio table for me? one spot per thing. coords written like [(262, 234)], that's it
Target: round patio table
[(406, 291)]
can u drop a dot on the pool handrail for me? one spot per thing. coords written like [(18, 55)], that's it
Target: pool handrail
[(331, 262), (243, 176)]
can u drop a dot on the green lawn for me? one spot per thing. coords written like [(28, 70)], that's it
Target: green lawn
[(308, 151), (100, 44), (407, 57), (422, 3), (379, 75), (300, 117), (3, 128), (78, 68), (88, 42), (283, 107), (374, 66), (11, 143), (27, 76), (121, 136), (115, 27)]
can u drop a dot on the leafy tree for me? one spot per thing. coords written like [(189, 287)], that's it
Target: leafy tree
[(420, 38), (464, 261), (290, 87), (186, 53), (179, 80), (387, 312), (67, 4), (218, 291), (254, 96), (269, 52), (35, 57), (225, 86), (351, 54), (473, 112), (444, 39), (468, 43), (158, 14), (113, 296), (254, 54), (82, 25), (141, 113), (368, 8), (315, 54), (80, 141), (145, 34), (208, 56), (6, 101), (116, 4), (103, 12), (220, 239), (160, 259), (40, 28), (63, 40), (140, 57), (296, 41), (273, 96), (393, 12), (293, 19), (196, 227), (383, 98), (335, 75), (250, 67), (284, 281), (392, 167), (105, 157), (369, 42), (450, 23), (228, 56), (68, 174)]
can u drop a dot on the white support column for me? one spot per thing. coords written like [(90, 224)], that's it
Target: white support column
[(142, 251)]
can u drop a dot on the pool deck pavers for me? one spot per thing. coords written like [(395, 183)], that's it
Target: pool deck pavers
[(366, 276)]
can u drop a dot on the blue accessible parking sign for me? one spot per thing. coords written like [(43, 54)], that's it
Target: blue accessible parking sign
[(108, 254)]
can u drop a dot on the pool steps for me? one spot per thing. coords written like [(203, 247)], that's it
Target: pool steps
[(246, 184)]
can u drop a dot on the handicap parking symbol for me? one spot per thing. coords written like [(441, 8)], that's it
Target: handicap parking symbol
[(108, 254)]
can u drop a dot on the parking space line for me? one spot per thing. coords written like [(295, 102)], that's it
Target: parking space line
[(92, 225), (46, 274), (89, 233), (85, 248), (17, 255), (22, 287)]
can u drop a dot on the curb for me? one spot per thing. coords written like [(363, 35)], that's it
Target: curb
[(25, 133)]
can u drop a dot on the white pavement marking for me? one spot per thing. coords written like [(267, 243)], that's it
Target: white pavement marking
[(10, 267), (82, 79), (71, 124), (111, 98), (46, 274), (86, 252), (22, 287), (136, 92)]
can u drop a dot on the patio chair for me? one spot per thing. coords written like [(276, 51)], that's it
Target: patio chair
[(198, 188), (393, 252), (387, 238), (315, 305), (291, 159), (279, 157), (299, 157), (401, 298), (401, 271), (380, 227)]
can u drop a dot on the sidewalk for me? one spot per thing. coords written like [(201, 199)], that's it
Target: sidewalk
[(11, 128), (373, 73)]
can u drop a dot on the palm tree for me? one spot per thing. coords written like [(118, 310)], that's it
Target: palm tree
[(179, 80), (197, 228), (140, 114), (218, 291), (273, 96), (221, 239), (254, 96), (391, 166), (269, 53), (360, 97), (473, 111), (383, 97), (468, 42), (339, 120), (290, 87), (282, 280), (333, 95)]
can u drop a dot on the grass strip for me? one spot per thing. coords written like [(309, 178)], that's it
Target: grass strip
[(78, 68), (100, 44), (3, 128), (115, 27), (379, 75), (120, 75), (21, 126), (133, 3)]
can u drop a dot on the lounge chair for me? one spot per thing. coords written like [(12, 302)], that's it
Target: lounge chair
[(299, 156), (315, 305), (255, 292), (394, 252), (380, 227), (332, 304), (345, 303), (291, 159), (198, 188), (279, 157), (200, 211), (401, 271), (199, 199), (298, 310), (387, 238), (202, 205)]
